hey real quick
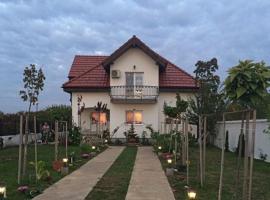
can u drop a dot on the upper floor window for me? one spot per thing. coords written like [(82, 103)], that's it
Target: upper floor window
[(134, 78)]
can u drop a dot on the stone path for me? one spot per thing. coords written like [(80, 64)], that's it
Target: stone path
[(78, 184), (148, 181)]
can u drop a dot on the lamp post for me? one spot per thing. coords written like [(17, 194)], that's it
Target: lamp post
[(3, 192)]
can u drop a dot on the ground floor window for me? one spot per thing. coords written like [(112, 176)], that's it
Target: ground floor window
[(134, 116), (102, 117)]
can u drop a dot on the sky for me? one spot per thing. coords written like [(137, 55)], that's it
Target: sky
[(49, 33)]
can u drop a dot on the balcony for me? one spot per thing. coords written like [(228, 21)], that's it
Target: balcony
[(134, 94)]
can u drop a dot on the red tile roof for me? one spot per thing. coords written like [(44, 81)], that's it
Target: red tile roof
[(89, 72), (83, 63)]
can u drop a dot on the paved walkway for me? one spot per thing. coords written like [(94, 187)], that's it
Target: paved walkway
[(148, 181), (78, 184)]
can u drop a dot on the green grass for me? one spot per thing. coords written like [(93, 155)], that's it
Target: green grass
[(261, 178), (114, 184), (9, 167)]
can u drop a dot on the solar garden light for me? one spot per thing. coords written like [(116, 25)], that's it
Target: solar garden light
[(106, 141), (191, 194), (169, 169), (64, 169), (3, 192), (93, 147), (169, 161), (159, 148)]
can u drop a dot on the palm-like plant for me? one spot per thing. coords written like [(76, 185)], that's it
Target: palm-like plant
[(247, 83)]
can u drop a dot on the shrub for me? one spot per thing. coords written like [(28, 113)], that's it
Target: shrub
[(85, 148), (74, 136)]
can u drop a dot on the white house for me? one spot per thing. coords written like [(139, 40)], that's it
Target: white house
[(134, 82)]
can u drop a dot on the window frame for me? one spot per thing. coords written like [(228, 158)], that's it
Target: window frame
[(133, 117)]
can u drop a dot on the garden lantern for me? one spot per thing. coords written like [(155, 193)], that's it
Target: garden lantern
[(106, 141), (65, 161), (159, 147), (64, 169), (3, 192), (169, 161), (93, 147), (191, 194)]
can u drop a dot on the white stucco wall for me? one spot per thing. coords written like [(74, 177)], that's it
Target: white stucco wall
[(90, 100), (143, 63), (170, 99), (262, 140)]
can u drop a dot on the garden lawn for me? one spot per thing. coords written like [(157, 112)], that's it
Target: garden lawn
[(261, 177), (9, 167), (114, 184)]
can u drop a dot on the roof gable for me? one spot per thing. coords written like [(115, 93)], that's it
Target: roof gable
[(90, 72), (134, 42)]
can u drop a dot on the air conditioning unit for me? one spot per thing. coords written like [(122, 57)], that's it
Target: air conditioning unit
[(116, 73)]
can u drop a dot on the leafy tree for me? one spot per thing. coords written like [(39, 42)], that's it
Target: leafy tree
[(175, 112), (209, 100), (33, 80), (247, 83)]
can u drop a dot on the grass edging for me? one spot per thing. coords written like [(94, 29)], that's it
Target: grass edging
[(114, 184)]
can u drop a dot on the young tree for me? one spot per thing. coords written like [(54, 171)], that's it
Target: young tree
[(247, 85), (33, 80), (208, 100)]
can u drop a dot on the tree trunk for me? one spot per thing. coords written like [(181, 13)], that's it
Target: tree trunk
[(239, 155), (252, 155), (246, 160), (222, 159)]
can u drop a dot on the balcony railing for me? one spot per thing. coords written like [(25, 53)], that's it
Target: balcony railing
[(134, 94)]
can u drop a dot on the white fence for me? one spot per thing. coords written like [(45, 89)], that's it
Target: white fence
[(14, 140), (262, 140)]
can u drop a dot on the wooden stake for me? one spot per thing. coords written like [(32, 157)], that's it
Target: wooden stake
[(20, 150), (187, 149), (222, 159), (183, 143), (66, 139), (35, 133), (200, 149), (246, 160), (56, 141), (204, 145), (252, 155), (26, 134)]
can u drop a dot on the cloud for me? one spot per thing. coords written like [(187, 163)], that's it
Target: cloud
[(51, 32)]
